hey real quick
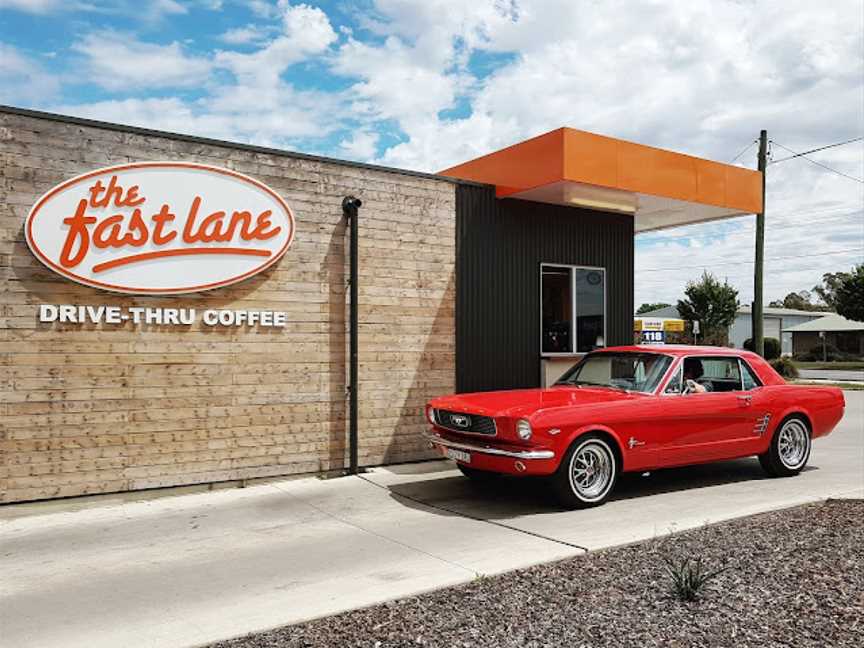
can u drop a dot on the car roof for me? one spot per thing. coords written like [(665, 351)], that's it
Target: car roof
[(678, 350)]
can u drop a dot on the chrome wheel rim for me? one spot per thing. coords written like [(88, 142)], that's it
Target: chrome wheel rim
[(793, 444), (591, 470)]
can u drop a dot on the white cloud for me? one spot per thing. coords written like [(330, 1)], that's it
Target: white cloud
[(121, 62), (158, 9), (223, 116), (697, 76), (244, 35), (171, 114), (148, 10), (701, 77), (263, 8), (33, 6), (362, 145), (394, 85), (22, 80), (306, 32)]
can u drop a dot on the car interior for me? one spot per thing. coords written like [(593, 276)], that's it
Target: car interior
[(715, 374)]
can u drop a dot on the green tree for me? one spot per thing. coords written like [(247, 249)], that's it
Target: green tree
[(849, 295), (797, 301), (712, 304), (827, 291), (645, 308)]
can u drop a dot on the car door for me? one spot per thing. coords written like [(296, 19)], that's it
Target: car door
[(708, 426), (756, 409)]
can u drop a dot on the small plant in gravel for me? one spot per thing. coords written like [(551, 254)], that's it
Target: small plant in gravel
[(688, 576)]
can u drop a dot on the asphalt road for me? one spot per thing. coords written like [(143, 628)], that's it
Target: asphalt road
[(184, 570), (833, 374)]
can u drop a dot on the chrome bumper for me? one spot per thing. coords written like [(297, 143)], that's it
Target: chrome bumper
[(438, 440)]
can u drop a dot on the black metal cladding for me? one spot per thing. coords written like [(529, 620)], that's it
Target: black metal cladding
[(500, 245)]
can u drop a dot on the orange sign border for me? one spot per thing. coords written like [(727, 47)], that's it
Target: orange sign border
[(154, 291)]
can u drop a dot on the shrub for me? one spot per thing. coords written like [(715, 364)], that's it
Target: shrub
[(688, 576), (832, 354), (772, 347), (785, 367)]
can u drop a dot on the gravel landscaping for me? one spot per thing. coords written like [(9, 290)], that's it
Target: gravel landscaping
[(791, 578)]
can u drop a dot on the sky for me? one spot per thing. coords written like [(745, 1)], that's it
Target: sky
[(425, 84)]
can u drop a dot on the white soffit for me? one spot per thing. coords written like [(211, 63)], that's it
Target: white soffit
[(649, 212), (656, 212)]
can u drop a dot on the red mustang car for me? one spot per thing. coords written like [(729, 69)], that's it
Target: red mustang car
[(634, 409)]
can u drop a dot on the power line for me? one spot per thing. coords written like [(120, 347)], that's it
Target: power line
[(749, 146), (819, 164), (783, 258), (743, 230), (821, 148)]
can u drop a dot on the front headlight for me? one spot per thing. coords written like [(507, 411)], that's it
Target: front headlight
[(523, 429), (430, 415)]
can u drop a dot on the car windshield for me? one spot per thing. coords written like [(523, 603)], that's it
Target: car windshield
[(640, 372)]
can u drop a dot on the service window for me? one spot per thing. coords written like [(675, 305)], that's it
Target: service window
[(572, 309)]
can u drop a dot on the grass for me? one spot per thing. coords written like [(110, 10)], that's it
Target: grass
[(688, 576), (851, 364)]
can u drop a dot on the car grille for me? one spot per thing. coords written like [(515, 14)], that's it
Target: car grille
[(461, 422)]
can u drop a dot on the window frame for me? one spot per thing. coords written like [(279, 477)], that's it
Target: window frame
[(664, 379), (744, 366), (574, 308), (679, 367)]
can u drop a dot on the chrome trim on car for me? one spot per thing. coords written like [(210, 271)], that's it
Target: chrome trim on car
[(437, 439)]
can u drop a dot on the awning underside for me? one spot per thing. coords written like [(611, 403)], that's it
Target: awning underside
[(649, 212)]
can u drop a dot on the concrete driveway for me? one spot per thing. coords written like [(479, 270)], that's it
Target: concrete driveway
[(183, 570)]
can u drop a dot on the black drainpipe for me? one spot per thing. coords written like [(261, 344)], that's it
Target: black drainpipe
[(350, 207)]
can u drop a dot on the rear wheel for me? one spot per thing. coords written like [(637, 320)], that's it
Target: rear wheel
[(789, 450), (477, 475), (587, 473)]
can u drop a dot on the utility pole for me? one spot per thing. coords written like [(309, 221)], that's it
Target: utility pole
[(758, 270)]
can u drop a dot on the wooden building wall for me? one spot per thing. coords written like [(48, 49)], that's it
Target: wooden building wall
[(105, 408)]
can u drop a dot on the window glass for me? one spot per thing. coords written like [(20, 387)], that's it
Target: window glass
[(557, 310), (750, 380), (572, 309), (674, 386), (631, 371), (715, 374), (590, 292)]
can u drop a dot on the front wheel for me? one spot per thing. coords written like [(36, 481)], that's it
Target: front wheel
[(587, 473), (789, 450)]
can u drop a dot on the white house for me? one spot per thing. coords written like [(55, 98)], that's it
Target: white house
[(774, 323)]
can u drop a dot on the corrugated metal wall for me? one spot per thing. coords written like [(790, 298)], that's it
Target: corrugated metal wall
[(500, 245)]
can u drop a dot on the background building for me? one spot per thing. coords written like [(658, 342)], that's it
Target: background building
[(775, 322), (846, 336)]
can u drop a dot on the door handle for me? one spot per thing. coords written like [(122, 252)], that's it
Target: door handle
[(745, 399)]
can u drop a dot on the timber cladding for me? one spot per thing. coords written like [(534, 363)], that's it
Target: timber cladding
[(95, 408)]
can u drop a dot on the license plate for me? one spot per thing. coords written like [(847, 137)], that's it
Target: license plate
[(457, 455)]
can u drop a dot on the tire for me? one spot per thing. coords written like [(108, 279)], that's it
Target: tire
[(477, 475), (789, 450), (594, 456)]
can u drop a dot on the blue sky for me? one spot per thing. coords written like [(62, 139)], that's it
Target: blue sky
[(426, 84)]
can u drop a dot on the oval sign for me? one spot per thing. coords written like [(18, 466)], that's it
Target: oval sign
[(159, 228)]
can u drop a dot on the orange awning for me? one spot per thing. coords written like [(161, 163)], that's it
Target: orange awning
[(660, 188)]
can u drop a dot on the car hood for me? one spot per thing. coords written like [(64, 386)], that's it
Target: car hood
[(525, 402)]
